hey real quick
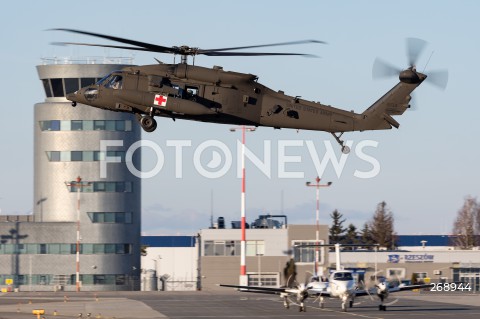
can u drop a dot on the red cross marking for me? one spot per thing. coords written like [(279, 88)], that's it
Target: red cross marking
[(160, 100)]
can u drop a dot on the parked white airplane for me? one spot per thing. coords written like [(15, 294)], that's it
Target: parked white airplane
[(341, 285)]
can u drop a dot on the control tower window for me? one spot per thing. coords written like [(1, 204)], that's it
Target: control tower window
[(86, 82), (57, 87), (71, 85), (46, 86)]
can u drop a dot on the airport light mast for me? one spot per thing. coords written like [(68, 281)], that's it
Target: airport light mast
[(317, 213), (243, 267), (78, 184)]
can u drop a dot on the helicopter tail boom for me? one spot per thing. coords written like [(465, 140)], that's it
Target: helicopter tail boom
[(395, 102)]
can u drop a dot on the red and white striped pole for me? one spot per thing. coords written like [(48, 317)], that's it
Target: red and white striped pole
[(77, 273), (243, 246), (317, 219), (78, 184), (243, 266)]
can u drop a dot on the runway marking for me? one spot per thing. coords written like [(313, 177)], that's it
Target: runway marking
[(339, 312), (348, 313)]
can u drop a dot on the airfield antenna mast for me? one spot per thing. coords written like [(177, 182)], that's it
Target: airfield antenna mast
[(243, 267), (78, 185), (211, 208), (317, 213)]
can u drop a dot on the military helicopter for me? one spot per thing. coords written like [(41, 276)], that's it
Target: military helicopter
[(190, 92)]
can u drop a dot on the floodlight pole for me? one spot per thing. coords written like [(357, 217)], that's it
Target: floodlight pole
[(243, 266), (78, 184), (317, 213)]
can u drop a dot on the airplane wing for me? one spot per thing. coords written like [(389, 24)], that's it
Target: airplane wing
[(265, 290), (276, 291), (320, 293), (409, 287), (362, 292), (372, 292)]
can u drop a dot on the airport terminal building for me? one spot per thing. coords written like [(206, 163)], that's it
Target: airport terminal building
[(39, 252), (270, 248)]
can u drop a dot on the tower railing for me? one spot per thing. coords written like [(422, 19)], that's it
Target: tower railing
[(87, 60)]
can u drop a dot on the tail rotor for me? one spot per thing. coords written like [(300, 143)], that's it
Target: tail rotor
[(414, 49)]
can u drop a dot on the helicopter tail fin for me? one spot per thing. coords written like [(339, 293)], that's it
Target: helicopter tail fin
[(395, 102)]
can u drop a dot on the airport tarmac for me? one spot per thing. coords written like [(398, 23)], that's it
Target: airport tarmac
[(228, 304)]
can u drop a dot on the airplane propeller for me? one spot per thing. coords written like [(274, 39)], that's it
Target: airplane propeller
[(367, 290), (414, 48), (299, 290)]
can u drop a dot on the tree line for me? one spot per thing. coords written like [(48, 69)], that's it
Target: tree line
[(466, 227), (380, 228)]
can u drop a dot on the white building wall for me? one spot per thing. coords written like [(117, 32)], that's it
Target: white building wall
[(451, 256), (276, 240), (178, 265)]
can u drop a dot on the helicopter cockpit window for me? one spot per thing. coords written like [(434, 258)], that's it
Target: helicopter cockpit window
[(111, 81), (114, 82), (103, 80)]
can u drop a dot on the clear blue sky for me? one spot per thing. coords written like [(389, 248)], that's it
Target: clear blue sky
[(428, 166)]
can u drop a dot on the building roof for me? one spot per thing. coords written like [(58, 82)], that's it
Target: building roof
[(168, 241), (432, 240), (402, 240)]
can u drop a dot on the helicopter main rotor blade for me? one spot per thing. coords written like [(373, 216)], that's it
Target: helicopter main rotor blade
[(182, 50), (216, 53), (261, 46), (414, 49), (147, 46), (100, 45), (382, 69)]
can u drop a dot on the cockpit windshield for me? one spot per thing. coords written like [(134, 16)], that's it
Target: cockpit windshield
[(343, 276), (111, 81)]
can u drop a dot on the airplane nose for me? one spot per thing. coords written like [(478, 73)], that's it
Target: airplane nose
[(342, 288)]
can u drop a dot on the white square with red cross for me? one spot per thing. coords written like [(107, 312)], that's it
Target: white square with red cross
[(160, 100)]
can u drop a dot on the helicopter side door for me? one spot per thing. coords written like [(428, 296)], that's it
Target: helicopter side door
[(242, 103)]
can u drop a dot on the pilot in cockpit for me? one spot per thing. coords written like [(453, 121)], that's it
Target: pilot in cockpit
[(116, 82)]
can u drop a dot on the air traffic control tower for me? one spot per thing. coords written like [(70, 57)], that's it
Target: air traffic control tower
[(104, 211)]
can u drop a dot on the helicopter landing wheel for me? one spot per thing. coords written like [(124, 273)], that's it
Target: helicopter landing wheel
[(148, 123), (345, 148), (74, 104)]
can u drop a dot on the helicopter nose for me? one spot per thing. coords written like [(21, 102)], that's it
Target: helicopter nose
[(73, 97)]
